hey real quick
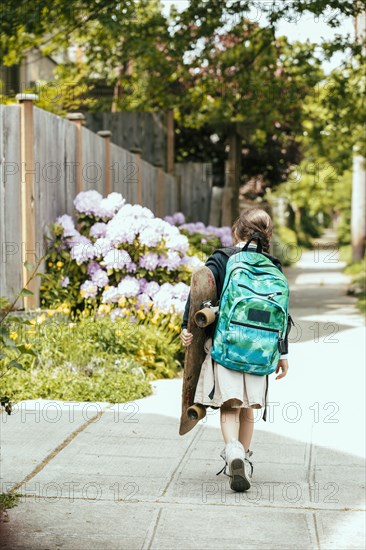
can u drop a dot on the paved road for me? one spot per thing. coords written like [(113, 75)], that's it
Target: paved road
[(120, 477)]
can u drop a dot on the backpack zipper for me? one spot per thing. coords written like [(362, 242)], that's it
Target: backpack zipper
[(252, 272), (260, 293), (280, 341), (255, 326)]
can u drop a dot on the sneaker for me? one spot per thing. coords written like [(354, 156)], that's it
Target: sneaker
[(237, 465)]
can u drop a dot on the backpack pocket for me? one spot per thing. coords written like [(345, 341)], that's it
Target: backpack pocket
[(250, 344), (254, 332)]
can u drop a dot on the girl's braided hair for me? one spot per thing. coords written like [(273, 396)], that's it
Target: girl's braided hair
[(250, 221)]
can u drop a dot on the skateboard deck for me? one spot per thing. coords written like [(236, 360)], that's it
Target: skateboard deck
[(203, 288)]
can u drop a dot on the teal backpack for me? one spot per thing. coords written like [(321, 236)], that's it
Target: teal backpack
[(253, 314)]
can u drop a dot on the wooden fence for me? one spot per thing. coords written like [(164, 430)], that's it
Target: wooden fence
[(46, 160), (136, 130)]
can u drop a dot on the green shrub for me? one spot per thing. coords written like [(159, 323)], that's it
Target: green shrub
[(309, 225), (98, 381), (93, 359), (345, 253), (201, 245), (357, 270), (344, 227), (285, 245)]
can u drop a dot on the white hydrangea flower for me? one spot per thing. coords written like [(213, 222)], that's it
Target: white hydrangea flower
[(116, 259), (88, 289), (81, 249), (129, 287), (88, 202), (110, 205), (192, 262), (103, 246), (100, 278), (110, 295), (151, 288), (97, 230), (171, 261), (67, 224)]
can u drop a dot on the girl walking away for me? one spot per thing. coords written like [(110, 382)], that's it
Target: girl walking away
[(240, 346)]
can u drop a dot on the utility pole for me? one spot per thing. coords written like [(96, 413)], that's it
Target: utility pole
[(358, 215)]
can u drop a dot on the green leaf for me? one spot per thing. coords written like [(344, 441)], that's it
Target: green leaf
[(16, 365), (9, 343), (28, 265), (25, 292), (23, 349), (44, 276)]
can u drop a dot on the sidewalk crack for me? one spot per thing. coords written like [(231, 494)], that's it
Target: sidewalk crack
[(58, 449)]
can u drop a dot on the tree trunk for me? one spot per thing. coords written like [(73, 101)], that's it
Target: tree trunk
[(358, 223), (358, 219)]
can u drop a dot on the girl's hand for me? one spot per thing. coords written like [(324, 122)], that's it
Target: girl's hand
[(186, 337), (283, 366)]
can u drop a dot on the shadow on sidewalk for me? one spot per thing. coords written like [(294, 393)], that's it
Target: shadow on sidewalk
[(132, 482)]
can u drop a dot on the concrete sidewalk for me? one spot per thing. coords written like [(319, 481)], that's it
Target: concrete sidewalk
[(120, 477)]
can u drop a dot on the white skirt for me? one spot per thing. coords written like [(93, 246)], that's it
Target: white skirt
[(248, 390)]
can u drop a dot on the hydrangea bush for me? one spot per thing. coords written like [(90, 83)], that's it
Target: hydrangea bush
[(198, 228), (117, 258), (203, 239)]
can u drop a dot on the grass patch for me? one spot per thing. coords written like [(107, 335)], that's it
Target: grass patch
[(8, 500)]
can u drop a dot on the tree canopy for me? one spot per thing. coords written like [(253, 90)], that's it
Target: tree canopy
[(218, 63)]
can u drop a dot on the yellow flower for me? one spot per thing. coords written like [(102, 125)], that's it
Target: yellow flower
[(104, 308), (60, 264), (122, 301), (119, 332), (28, 346), (63, 308), (50, 264), (51, 312), (155, 319), (13, 335), (140, 314)]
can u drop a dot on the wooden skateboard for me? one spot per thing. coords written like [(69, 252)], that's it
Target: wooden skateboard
[(203, 298)]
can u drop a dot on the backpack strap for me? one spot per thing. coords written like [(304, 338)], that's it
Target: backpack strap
[(257, 238), (230, 250)]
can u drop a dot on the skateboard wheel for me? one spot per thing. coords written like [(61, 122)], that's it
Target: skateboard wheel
[(204, 317), (196, 412)]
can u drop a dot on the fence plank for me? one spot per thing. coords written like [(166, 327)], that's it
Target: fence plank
[(10, 211), (195, 190), (144, 130)]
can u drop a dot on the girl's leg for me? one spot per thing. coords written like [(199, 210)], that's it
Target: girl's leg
[(230, 421), (246, 427)]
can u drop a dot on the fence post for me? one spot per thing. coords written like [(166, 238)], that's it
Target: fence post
[(106, 135), (138, 154), (170, 142), (78, 119), (159, 207), (29, 247), (178, 180)]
